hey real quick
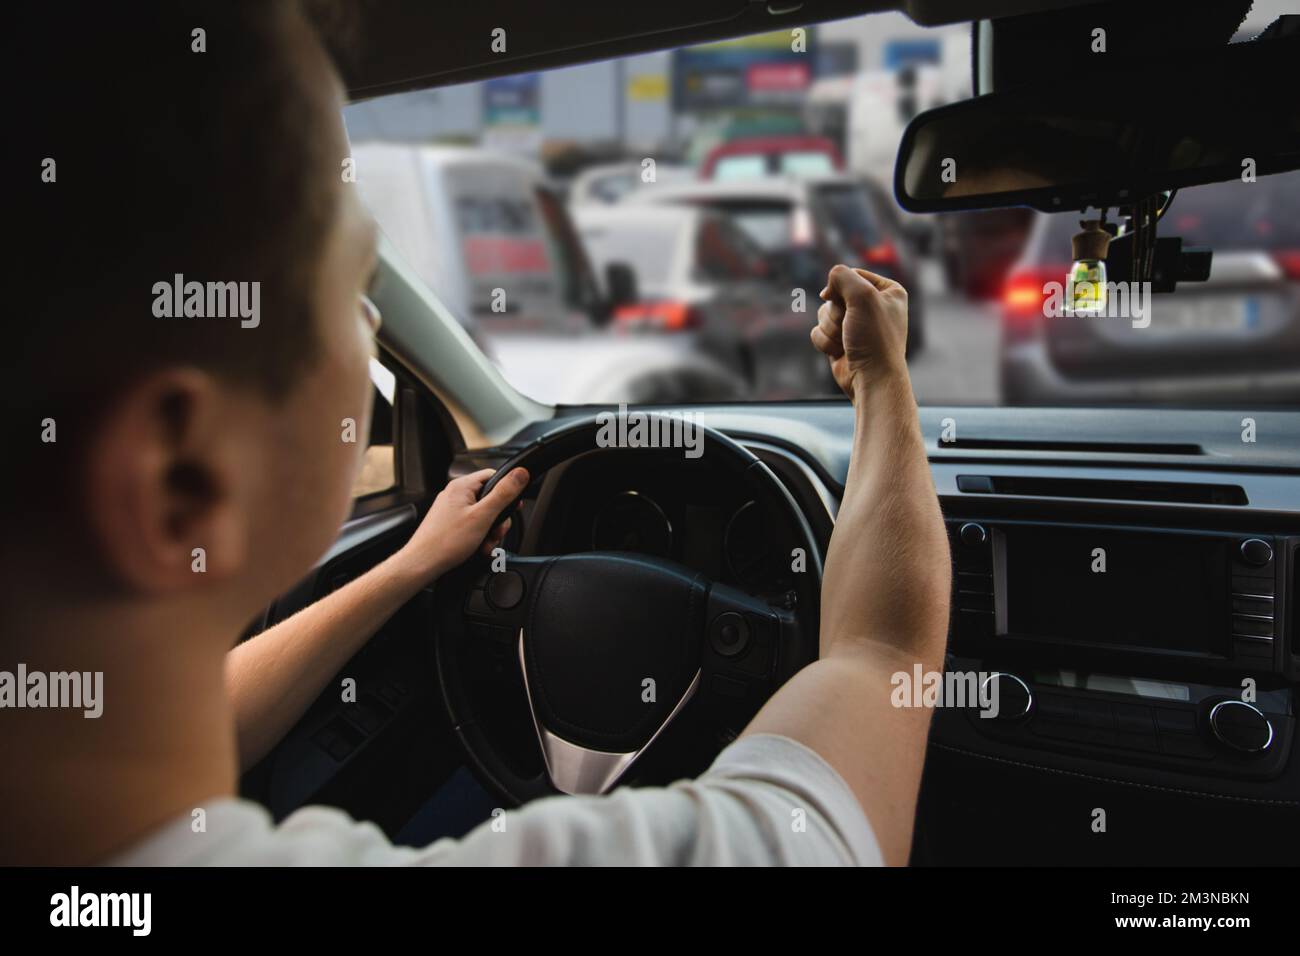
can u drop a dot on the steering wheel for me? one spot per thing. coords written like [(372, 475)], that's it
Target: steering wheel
[(559, 672)]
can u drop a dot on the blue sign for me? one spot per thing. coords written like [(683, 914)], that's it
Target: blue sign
[(901, 53), (512, 100)]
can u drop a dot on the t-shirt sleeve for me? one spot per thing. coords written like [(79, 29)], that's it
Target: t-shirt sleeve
[(766, 800)]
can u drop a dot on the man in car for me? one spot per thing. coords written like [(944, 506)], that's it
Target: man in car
[(174, 471)]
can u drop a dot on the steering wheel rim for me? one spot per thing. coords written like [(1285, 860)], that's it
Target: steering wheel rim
[(568, 758)]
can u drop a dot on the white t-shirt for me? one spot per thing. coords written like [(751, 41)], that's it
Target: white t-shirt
[(767, 799)]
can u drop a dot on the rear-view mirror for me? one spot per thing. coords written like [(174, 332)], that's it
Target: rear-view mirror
[(1111, 135)]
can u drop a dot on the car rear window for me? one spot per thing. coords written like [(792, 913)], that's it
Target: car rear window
[(741, 167), (766, 222), (614, 186), (849, 210), (805, 163), (648, 245), (724, 251)]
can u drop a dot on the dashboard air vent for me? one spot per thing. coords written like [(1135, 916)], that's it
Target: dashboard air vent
[(1103, 488)]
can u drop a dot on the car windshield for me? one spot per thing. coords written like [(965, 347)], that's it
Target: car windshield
[(791, 140)]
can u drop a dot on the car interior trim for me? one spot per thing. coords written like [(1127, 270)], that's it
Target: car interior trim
[(573, 768)]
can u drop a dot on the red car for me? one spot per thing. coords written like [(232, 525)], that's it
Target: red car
[(772, 155)]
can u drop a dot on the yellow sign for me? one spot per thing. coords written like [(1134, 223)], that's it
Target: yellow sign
[(648, 86), (777, 39)]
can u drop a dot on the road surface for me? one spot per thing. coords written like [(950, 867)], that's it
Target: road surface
[(959, 364)]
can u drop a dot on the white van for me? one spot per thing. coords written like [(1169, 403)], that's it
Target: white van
[(471, 221), (484, 231)]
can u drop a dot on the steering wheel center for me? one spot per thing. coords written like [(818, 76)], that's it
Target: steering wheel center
[(611, 645)]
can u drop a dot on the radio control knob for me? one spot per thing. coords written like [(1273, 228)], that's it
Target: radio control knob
[(1256, 552), (1014, 698), (1241, 726), (973, 535)]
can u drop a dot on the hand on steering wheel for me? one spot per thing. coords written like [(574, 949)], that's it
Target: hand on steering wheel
[(596, 654)]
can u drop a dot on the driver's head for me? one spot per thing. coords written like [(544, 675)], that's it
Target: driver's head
[(201, 141)]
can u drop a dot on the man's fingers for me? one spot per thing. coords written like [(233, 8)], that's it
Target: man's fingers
[(830, 319), (882, 283), (845, 285), (475, 479), (507, 490), (824, 343), (495, 538), (879, 281)]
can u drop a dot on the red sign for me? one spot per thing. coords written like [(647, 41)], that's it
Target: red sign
[(777, 77), (505, 254)]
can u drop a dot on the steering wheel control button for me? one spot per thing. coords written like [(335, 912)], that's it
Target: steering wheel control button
[(1241, 726), (1256, 552), (729, 634), (475, 603), (730, 687), (973, 535), (505, 589), (1014, 698)]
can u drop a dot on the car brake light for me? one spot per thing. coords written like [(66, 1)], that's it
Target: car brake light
[(1289, 260), (668, 316), (881, 254), (1023, 296)]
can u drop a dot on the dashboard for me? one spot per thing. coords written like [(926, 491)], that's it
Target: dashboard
[(1132, 597), (686, 511), (1160, 693)]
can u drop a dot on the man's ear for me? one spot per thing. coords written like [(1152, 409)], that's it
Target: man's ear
[(161, 488)]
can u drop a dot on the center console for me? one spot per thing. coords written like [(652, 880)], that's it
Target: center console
[(1162, 647)]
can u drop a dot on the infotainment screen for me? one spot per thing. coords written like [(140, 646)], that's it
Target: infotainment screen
[(1166, 592)]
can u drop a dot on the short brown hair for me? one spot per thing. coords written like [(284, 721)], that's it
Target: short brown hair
[(186, 138)]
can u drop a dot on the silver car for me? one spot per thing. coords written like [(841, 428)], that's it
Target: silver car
[(1233, 339)]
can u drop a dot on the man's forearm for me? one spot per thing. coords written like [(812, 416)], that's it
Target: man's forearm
[(887, 571), (273, 677), (884, 608)]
